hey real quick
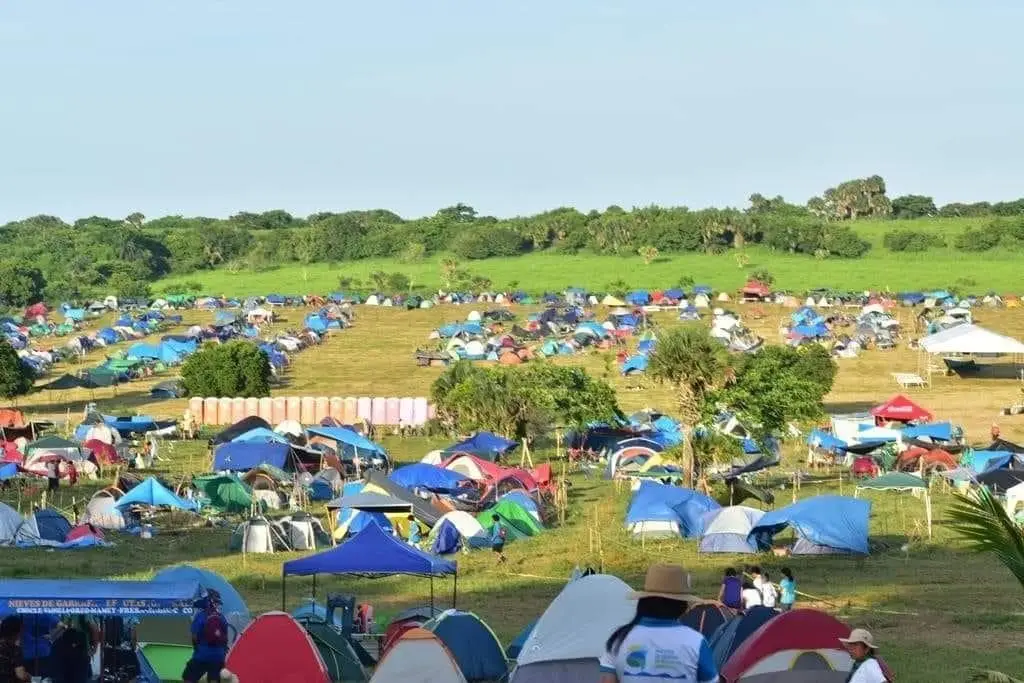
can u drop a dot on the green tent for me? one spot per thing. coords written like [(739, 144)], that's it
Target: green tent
[(226, 492), (337, 652), (518, 522)]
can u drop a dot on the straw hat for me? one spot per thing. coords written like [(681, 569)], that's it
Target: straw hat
[(859, 635), (669, 581)]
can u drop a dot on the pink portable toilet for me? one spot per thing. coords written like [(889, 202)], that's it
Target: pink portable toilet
[(224, 411), (391, 414), (431, 410), (294, 409), (364, 408), (419, 411), (210, 411), (237, 409), (321, 409), (379, 411), (280, 411), (336, 408), (307, 410), (252, 407), (349, 410), (195, 406), (266, 409), (405, 412)]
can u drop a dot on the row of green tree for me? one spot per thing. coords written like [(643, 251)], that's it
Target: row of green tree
[(44, 257)]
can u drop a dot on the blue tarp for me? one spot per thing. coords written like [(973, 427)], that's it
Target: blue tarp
[(636, 363), (242, 456), (87, 596), (429, 477), (940, 431), (8, 470), (811, 331), (372, 552), (484, 445), (981, 462), (350, 438), (446, 539), (131, 425), (161, 352), (838, 523), (825, 441), (656, 502), (639, 298), (151, 492), (233, 607), (260, 435), (455, 329)]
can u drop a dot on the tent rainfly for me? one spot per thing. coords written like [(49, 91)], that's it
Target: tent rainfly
[(901, 481)]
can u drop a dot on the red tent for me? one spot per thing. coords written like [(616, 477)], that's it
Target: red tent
[(274, 648), (899, 408), (36, 310), (755, 288), (801, 645), (105, 453)]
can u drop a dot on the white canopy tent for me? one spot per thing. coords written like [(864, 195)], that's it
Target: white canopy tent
[(970, 340)]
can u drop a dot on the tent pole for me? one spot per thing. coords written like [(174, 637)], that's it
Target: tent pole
[(431, 597), (314, 587), (282, 589), (455, 590)]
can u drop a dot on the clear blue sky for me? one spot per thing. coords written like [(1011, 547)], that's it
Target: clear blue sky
[(513, 106)]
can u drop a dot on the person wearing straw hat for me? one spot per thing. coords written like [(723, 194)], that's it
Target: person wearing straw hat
[(654, 644), (862, 648)]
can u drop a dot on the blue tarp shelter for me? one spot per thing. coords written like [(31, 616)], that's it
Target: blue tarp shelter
[(485, 445), (349, 440), (823, 524), (429, 477), (816, 331), (938, 431), (981, 462), (825, 441), (153, 493), (106, 598), (637, 363), (242, 456)]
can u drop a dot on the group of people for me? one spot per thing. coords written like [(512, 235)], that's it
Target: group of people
[(656, 645), (755, 589)]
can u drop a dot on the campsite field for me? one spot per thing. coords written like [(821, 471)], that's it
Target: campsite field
[(941, 267), (936, 609)]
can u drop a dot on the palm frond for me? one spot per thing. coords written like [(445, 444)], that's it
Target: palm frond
[(987, 527), (993, 677)]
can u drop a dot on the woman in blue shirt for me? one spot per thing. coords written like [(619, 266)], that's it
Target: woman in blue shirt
[(414, 532), (788, 593), (498, 534)]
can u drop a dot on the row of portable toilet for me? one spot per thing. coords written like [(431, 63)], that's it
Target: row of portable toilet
[(406, 411)]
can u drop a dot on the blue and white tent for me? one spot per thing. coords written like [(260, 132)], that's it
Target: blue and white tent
[(659, 510), (823, 525), (727, 530)]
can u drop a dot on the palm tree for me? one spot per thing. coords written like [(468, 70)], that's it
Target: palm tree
[(694, 364), (989, 528)]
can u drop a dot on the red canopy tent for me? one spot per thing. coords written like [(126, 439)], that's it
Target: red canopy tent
[(899, 408)]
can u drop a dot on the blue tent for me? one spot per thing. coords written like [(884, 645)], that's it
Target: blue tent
[(806, 316), (825, 441), (242, 456), (349, 440), (823, 524), (472, 643), (523, 500), (674, 293), (730, 635), (52, 525), (815, 331), (447, 539), (161, 352), (316, 322), (260, 435), (656, 502), (153, 493), (108, 335), (981, 462), (430, 477), (516, 646), (91, 596), (484, 445), (637, 363), (233, 605), (75, 314), (136, 424), (371, 552), (939, 431), (639, 298)]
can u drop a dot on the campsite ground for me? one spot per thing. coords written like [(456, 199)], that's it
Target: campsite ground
[(937, 609)]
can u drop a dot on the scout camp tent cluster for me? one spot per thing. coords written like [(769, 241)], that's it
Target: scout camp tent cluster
[(44, 527), (820, 524)]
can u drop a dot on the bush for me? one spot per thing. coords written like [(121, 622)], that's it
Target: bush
[(16, 378), (763, 276), (398, 283), (912, 240), (481, 243), (843, 242), (980, 239), (238, 368)]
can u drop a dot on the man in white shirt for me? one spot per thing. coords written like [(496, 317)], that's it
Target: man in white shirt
[(866, 668)]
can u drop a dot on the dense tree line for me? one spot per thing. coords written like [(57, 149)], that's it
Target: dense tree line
[(44, 257)]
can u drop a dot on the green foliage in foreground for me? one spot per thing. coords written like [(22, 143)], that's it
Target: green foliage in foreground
[(16, 378), (238, 368)]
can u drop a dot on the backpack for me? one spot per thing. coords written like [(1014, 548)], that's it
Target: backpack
[(215, 630)]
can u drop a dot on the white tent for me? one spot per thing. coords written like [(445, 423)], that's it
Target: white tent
[(569, 637), (610, 300), (464, 522), (418, 657), (972, 339), (727, 529), (435, 457), (465, 464)]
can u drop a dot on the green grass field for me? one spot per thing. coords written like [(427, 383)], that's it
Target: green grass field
[(937, 609), (880, 269)]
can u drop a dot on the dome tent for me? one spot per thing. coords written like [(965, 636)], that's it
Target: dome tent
[(472, 643)]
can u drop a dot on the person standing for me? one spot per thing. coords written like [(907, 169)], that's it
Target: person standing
[(750, 597), (52, 475), (414, 532), (731, 590), (38, 633), (498, 535), (209, 642), (654, 645), (862, 649), (769, 596), (788, 590), (12, 664)]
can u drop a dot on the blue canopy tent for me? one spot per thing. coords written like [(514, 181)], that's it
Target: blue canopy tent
[(98, 597), (152, 493), (486, 445), (823, 525), (242, 456), (372, 553)]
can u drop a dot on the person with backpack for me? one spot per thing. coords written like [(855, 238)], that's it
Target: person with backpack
[(498, 536), (209, 642)]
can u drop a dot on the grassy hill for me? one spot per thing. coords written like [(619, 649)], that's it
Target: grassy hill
[(880, 268)]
